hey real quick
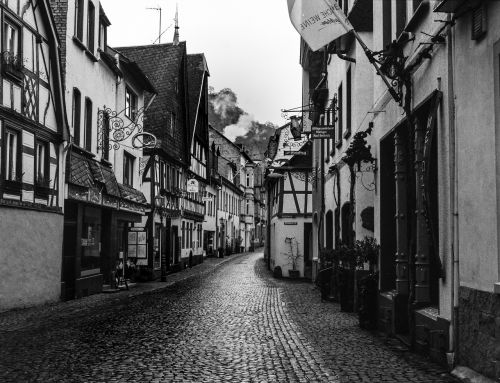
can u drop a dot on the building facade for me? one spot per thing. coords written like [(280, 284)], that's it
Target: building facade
[(236, 169), (102, 198), (417, 195), (289, 184), (33, 140)]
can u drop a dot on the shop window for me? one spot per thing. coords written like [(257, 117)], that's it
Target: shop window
[(158, 246), (478, 23), (130, 104), (12, 159), (79, 4), (90, 258), (77, 107), (128, 169), (88, 124)]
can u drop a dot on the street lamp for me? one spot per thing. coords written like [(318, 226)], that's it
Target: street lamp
[(160, 208)]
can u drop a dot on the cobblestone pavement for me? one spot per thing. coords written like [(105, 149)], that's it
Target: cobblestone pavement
[(234, 323)]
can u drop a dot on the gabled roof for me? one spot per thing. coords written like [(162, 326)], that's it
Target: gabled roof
[(131, 67), (162, 64), (232, 144)]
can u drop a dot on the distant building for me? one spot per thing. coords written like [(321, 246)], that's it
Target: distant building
[(289, 183), (236, 170)]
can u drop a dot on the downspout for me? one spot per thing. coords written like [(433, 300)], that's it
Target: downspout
[(454, 248)]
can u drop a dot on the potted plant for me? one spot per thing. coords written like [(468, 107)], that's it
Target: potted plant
[(293, 257), (368, 251)]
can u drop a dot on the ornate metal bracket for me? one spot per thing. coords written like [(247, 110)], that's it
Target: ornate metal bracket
[(113, 130)]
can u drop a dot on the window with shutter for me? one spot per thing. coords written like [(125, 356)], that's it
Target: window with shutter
[(478, 24)]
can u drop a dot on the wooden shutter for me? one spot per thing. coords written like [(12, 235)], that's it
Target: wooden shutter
[(478, 23)]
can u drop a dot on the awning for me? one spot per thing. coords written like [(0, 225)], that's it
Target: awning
[(95, 182)]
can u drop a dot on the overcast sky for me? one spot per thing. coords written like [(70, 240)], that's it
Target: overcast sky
[(250, 45)]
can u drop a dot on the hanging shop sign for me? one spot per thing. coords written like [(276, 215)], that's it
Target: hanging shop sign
[(207, 199), (321, 132), (325, 126), (192, 186)]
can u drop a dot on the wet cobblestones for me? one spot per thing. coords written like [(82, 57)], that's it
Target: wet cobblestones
[(232, 324)]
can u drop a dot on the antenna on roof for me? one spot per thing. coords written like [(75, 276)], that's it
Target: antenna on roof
[(176, 32), (158, 8)]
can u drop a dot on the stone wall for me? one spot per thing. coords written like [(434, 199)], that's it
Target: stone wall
[(479, 331)]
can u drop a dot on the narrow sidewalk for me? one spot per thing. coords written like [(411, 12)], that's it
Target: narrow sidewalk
[(17, 319)]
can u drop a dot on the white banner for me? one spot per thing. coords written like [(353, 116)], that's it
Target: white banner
[(319, 22)]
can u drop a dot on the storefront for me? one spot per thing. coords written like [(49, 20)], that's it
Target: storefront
[(98, 216)]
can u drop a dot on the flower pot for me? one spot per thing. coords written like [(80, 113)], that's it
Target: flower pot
[(294, 274)]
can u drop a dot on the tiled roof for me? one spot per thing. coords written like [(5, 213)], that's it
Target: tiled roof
[(162, 64), (88, 172), (110, 181), (132, 194), (78, 171)]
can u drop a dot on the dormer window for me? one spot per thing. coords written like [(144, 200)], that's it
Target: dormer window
[(130, 104)]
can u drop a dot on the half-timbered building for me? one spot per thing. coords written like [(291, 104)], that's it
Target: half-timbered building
[(289, 186), (33, 129), (175, 222), (198, 115)]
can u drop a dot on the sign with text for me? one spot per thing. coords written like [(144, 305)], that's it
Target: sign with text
[(192, 186), (318, 21), (322, 132)]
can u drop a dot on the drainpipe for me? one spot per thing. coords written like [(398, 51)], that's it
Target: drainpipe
[(453, 169)]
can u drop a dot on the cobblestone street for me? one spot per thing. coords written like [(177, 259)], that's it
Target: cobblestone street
[(235, 323)]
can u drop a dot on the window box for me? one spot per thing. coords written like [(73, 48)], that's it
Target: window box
[(12, 187), (12, 66), (42, 191)]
